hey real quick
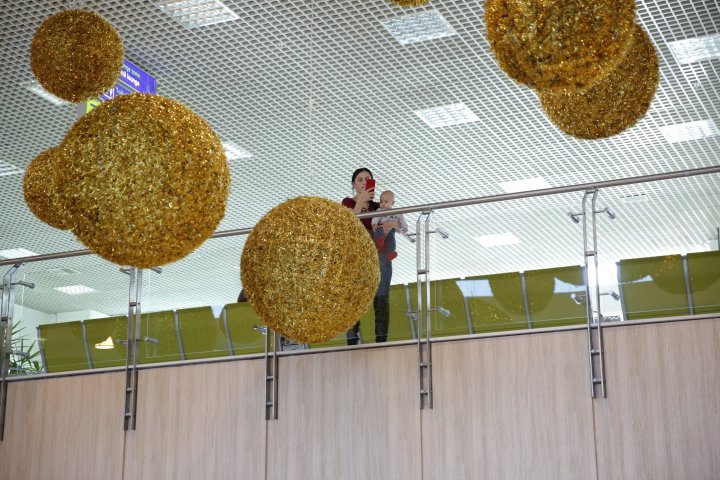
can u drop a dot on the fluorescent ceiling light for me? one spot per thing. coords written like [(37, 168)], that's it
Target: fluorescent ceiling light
[(696, 49), (16, 253), (7, 169), (682, 132), (447, 115), (535, 183), (497, 239), (418, 27), (38, 90), (234, 152), (75, 289), (197, 13)]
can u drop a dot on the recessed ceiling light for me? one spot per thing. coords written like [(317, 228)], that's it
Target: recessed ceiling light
[(197, 13), (38, 90), (7, 169), (62, 271), (497, 239), (75, 289), (234, 152), (16, 253), (418, 27), (682, 132), (696, 49), (447, 115), (535, 183)]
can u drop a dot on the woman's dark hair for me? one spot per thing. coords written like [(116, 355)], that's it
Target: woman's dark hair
[(358, 172)]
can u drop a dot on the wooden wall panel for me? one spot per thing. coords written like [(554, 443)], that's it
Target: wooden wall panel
[(199, 421), (347, 415), (661, 419), (64, 428), (510, 408)]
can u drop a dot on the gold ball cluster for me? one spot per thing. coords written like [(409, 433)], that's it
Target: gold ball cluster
[(146, 181), (42, 188), (614, 103), (550, 44), (310, 269), (76, 55)]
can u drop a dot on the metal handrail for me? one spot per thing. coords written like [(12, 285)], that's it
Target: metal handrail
[(440, 205)]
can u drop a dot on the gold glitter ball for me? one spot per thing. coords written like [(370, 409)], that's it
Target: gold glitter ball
[(410, 3), (147, 180), (42, 188), (309, 268), (76, 55), (548, 44), (614, 103)]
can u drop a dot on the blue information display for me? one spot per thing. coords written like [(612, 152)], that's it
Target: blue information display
[(132, 79)]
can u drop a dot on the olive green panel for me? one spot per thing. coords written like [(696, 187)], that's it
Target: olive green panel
[(549, 296), (704, 270), (241, 320), (399, 326), (63, 346), (653, 287), (498, 303), (445, 294), (98, 331), (203, 335), (159, 326)]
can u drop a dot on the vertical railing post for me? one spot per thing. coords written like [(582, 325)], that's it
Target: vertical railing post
[(423, 338)]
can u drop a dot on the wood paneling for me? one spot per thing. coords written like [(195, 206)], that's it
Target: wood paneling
[(199, 421), (510, 408), (661, 419), (347, 415), (64, 428)]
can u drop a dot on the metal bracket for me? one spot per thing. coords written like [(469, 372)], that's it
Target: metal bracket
[(271, 373)]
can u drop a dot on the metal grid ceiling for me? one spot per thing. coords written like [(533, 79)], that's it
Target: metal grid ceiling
[(314, 89)]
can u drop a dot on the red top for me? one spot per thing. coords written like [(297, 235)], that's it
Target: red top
[(350, 203)]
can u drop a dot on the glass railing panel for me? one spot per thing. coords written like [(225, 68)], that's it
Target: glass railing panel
[(663, 235), (191, 313), (704, 276), (53, 320), (556, 296)]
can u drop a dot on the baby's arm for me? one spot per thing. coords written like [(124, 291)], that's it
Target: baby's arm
[(375, 221), (403, 223)]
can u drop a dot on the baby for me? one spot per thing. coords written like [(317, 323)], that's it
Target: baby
[(387, 200)]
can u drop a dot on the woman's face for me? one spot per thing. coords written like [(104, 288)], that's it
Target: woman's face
[(360, 181)]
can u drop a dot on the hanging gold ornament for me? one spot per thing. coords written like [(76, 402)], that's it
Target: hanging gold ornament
[(310, 269), (613, 104), (76, 55), (549, 44), (147, 180), (410, 3), (42, 188)]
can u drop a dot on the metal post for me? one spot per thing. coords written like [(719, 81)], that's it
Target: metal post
[(688, 290), (423, 340), (131, 378), (526, 302), (7, 309), (592, 295), (271, 375)]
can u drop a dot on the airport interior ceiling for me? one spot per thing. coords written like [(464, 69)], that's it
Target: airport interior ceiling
[(303, 92)]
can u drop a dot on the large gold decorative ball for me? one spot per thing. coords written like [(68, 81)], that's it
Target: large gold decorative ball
[(42, 188), (548, 44), (614, 103), (309, 268), (410, 3), (147, 180), (76, 55)]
